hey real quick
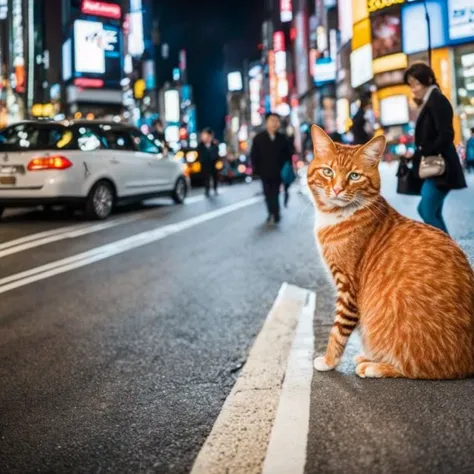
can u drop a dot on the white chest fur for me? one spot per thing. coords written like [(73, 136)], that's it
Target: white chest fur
[(322, 220)]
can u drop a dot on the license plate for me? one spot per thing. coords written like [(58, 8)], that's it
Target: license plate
[(8, 180)]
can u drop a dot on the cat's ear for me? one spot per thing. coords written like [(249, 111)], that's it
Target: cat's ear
[(372, 151), (322, 143)]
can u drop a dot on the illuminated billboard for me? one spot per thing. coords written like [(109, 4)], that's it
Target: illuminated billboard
[(324, 71), (415, 29), (461, 19), (286, 11), (107, 10), (234, 81), (172, 111), (394, 110), (361, 65), (98, 52), (386, 34)]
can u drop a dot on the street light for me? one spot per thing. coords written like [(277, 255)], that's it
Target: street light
[(428, 27)]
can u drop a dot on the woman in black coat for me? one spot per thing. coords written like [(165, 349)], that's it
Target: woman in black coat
[(434, 135)]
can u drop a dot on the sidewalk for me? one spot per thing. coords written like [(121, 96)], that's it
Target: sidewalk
[(391, 426)]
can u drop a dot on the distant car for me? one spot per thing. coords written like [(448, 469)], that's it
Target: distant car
[(189, 158), (236, 169), (89, 165)]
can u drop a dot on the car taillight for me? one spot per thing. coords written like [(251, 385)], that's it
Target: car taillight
[(49, 163)]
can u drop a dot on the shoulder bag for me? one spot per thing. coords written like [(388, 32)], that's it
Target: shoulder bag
[(432, 166)]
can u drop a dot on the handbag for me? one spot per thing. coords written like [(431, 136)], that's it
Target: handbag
[(432, 166), (408, 181), (287, 174)]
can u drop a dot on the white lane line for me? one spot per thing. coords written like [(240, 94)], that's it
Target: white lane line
[(41, 235), (114, 248), (239, 440), (47, 237), (67, 233), (286, 452)]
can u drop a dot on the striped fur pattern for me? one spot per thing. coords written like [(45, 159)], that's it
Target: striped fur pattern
[(406, 286)]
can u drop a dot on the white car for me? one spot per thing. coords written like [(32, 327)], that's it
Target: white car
[(89, 165)]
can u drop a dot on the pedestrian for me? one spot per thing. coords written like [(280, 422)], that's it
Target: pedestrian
[(362, 129), (470, 152), (208, 153), (270, 151), (289, 174), (158, 133), (434, 135)]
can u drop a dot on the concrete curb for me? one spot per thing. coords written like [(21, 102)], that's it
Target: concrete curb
[(239, 439)]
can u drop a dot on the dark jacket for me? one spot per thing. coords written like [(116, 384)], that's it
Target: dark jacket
[(268, 156), (434, 134), (208, 156), (160, 136), (358, 128)]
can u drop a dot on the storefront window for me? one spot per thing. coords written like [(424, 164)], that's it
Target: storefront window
[(464, 67)]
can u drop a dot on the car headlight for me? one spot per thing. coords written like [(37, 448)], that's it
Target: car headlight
[(191, 156), (219, 165), (179, 156)]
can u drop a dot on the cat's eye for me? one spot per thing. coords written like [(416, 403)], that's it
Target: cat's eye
[(328, 172), (354, 176)]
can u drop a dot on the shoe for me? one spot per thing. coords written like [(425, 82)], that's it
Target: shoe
[(269, 219), (277, 219)]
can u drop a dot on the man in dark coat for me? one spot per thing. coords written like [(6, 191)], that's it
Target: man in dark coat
[(158, 133), (270, 151), (208, 154)]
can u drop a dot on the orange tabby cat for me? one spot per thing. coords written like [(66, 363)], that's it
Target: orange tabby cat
[(407, 286)]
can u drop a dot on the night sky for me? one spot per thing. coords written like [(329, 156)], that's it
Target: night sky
[(203, 27)]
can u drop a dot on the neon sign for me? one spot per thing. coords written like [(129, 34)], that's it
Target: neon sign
[(376, 5), (108, 10), (85, 82)]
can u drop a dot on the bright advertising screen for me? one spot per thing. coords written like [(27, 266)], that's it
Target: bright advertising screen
[(172, 110), (461, 19), (361, 65), (415, 29), (345, 20), (394, 110), (234, 81), (97, 51), (324, 71), (386, 34)]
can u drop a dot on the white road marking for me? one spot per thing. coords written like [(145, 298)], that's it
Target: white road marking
[(105, 251), (251, 426), (36, 240), (41, 235), (70, 232), (287, 448)]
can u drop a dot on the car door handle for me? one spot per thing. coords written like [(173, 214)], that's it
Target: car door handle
[(114, 161)]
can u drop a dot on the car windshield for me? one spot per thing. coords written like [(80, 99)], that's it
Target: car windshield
[(29, 136)]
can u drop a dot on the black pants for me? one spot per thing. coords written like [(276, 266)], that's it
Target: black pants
[(208, 175), (271, 189)]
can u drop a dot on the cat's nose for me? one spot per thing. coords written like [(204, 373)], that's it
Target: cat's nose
[(337, 189)]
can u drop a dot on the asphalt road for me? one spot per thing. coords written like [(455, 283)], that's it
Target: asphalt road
[(122, 363)]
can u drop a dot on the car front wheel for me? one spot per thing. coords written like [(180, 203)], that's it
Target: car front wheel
[(180, 191), (100, 201)]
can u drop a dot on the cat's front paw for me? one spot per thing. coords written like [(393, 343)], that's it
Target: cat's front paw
[(321, 365)]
